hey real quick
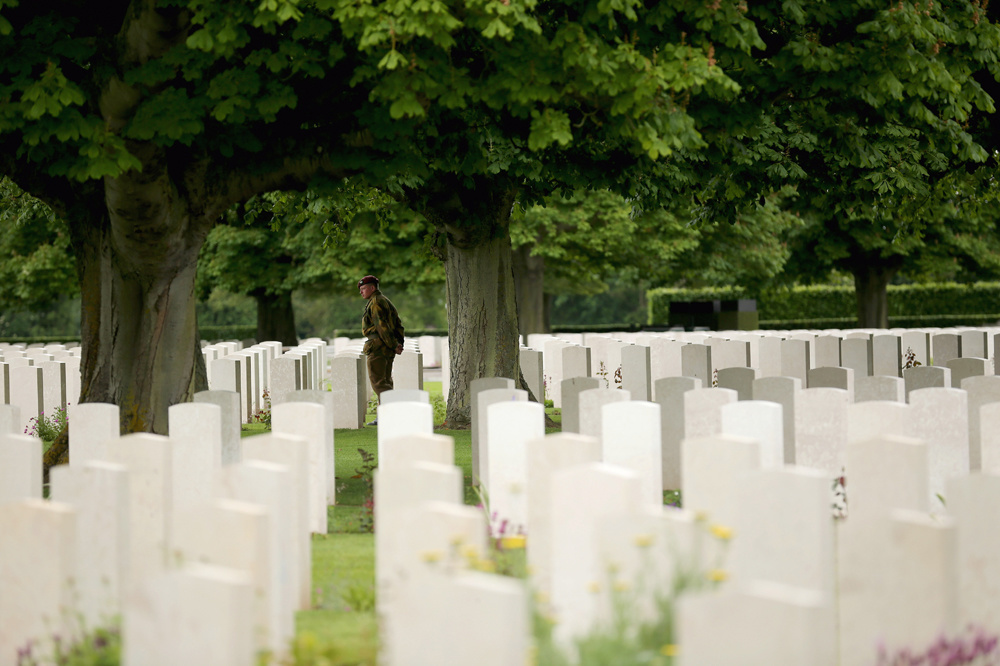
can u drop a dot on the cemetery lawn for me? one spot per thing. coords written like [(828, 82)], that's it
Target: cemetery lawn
[(341, 624)]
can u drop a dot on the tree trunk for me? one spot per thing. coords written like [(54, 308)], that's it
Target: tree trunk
[(276, 318), (870, 282), (482, 321), (529, 284)]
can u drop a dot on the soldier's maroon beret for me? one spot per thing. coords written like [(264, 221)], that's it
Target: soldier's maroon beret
[(368, 279)]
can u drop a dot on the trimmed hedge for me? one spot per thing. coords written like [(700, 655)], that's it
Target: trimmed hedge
[(826, 306), (43, 339)]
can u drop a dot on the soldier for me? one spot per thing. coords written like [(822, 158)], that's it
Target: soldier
[(381, 325)]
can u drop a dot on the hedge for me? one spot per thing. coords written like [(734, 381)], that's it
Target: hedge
[(826, 306)]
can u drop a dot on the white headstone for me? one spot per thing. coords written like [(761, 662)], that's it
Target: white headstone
[(631, 439)]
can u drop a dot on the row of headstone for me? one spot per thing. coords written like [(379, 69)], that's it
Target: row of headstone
[(171, 533), (594, 532)]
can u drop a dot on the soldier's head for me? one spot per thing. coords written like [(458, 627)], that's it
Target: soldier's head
[(367, 286)]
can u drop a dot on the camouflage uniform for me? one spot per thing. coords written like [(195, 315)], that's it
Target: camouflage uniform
[(381, 325)]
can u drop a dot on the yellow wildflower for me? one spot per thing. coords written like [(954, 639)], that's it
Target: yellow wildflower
[(716, 575), (701, 516), (669, 650), (721, 532), (643, 540), (594, 587), (513, 542), (431, 556), (622, 586)]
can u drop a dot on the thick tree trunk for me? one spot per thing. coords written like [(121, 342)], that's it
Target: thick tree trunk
[(870, 288), (482, 321), (529, 284), (276, 318)]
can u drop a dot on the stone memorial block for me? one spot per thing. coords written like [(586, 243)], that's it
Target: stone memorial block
[(19, 361), (308, 421), (944, 347), (94, 425), (302, 357), (404, 451), (887, 355), (196, 445), (228, 403), (879, 387), (5, 384), (148, 459), (645, 553), (972, 501), (630, 438), (842, 378), (785, 515), (730, 353), (870, 420), (769, 356), (286, 376), (481, 450), (459, 625), (397, 489), (326, 400), (821, 429), (37, 555), (730, 628), (885, 473), (591, 414), (696, 361), (405, 395), (795, 359), (547, 456), (10, 419), (989, 437), (614, 352), (828, 351), (669, 392), (73, 379), (27, 393), (703, 411), (981, 391), (226, 376), (399, 419), (240, 536), (438, 539), (408, 371), (897, 584), (664, 358), (711, 467), (967, 366), (347, 383), (292, 453), (269, 486), (636, 377), (941, 421), (581, 497), (552, 362), (575, 363), (974, 343), (475, 387), (20, 468), (926, 376), (429, 347), (98, 492), (510, 426), (54, 387), (187, 605), (532, 371), (857, 354), (738, 379), (571, 389), (919, 342), (759, 420)]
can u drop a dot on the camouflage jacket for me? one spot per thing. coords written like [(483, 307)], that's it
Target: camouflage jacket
[(381, 325)]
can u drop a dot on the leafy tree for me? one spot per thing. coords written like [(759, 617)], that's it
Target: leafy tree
[(865, 108), (278, 243), (38, 267), (142, 123)]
